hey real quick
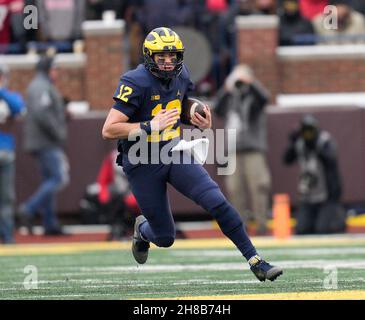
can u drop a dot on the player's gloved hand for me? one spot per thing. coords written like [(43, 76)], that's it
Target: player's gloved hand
[(201, 122), (164, 119)]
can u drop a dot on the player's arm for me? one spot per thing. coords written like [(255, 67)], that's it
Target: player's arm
[(128, 101), (117, 127)]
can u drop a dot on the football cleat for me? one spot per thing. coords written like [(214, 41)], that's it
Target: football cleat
[(263, 270), (139, 245)]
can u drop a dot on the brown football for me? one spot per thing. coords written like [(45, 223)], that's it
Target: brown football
[(190, 106)]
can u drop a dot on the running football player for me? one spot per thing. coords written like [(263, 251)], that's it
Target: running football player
[(148, 99)]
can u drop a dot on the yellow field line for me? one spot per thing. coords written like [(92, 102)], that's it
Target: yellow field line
[(356, 221), (221, 243), (322, 295)]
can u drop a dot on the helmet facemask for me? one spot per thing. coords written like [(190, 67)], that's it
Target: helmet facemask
[(153, 67)]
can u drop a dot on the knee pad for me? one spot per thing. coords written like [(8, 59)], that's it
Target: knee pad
[(166, 241)]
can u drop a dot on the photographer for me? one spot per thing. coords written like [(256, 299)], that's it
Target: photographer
[(241, 102), (319, 182)]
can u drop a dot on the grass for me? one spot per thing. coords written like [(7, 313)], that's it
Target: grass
[(108, 271)]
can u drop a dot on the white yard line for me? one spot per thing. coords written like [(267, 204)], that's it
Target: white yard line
[(286, 251), (288, 264)]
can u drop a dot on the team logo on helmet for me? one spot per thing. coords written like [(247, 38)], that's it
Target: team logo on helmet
[(162, 40)]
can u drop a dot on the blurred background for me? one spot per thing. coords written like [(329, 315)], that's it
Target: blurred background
[(309, 55)]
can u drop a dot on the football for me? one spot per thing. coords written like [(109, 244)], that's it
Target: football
[(190, 106)]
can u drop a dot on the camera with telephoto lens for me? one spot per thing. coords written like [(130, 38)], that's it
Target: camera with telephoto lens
[(239, 84)]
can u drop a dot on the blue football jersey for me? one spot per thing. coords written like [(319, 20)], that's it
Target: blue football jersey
[(140, 96)]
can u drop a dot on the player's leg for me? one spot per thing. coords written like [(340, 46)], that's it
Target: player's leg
[(193, 181), (148, 184)]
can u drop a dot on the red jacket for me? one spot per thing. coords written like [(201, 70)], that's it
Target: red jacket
[(311, 8), (7, 7), (106, 177)]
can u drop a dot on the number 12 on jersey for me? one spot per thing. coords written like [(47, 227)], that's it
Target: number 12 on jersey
[(172, 131)]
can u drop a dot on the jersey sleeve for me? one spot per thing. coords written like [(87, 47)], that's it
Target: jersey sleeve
[(127, 97)]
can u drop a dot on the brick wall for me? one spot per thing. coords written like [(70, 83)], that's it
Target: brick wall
[(71, 79), (104, 66), (91, 76), (296, 70), (257, 43), (310, 75)]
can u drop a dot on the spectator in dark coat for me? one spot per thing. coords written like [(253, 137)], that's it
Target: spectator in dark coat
[(294, 29), (45, 132), (359, 5)]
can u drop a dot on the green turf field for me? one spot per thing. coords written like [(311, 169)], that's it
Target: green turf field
[(314, 268)]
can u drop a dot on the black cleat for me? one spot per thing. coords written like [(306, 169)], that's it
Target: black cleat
[(263, 270), (139, 246)]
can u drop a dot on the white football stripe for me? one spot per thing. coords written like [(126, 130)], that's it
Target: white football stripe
[(289, 264), (295, 252)]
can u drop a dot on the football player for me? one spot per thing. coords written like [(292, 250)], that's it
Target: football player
[(149, 99)]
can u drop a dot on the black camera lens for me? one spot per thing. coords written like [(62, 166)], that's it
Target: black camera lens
[(239, 84)]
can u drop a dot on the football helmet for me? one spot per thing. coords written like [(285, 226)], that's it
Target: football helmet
[(161, 40)]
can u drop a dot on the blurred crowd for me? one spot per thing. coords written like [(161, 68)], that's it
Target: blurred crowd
[(302, 22)]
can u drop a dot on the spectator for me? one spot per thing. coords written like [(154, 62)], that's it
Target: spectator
[(265, 7), (11, 105), (115, 196), (243, 7), (95, 8), (61, 20), (217, 24), (217, 5), (311, 8), (45, 132), (135, 32), (293, 27), (11, 24), (350, 25), (242, 103), (319, 182), (359, 5), (150, 16)]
